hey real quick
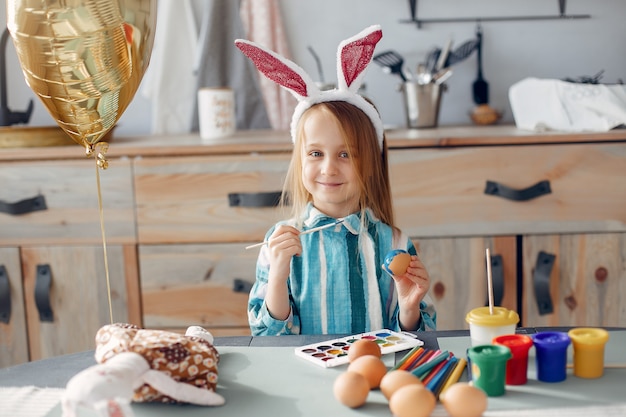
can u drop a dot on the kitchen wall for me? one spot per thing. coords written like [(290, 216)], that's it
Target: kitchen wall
[(512, 50)]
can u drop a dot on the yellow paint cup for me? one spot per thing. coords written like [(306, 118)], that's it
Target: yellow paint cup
[(588, 343)]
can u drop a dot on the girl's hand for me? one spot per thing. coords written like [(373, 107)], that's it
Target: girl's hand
[(283, 244), (412, 288)]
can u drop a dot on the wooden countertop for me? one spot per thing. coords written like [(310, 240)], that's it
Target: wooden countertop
[(261, 141)]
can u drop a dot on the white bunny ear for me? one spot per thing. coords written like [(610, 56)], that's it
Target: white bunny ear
[(279, 69), (353, 57)]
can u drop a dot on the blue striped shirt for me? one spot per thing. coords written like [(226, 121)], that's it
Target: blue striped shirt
[(337, 285)]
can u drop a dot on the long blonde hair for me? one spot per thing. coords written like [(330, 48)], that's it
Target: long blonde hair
[(369, 161)]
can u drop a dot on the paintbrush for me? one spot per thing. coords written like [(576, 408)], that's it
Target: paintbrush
[(306, 232)]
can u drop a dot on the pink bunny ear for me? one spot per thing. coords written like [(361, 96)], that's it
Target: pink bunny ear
[(278, 69), (354, 55)]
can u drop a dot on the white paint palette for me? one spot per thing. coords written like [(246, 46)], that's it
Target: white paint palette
[(334, 352)]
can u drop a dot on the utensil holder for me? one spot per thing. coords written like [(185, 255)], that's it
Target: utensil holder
[(421, 103)]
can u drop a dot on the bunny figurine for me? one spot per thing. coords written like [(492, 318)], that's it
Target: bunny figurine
[(145, 366)]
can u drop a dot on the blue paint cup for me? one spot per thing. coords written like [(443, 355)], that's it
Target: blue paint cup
[(551, 355)]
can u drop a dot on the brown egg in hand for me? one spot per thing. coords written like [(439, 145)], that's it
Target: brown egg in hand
[(396, 262)]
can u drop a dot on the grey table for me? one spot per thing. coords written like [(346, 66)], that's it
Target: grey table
[(262, 376)]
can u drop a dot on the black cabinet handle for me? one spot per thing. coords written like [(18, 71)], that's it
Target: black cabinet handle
[(241, 285), (541, 282), (5, 296), (25, 206), (534, 191), (497, 280), (263, 199), (43, 283)]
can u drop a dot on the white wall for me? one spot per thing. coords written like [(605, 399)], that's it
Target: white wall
[(512, 50)]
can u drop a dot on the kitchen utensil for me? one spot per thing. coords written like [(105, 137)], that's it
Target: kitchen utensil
[(423, 76), (393, 61), (443, 56), (480, 86), (461, 52), (441, 76), (431, 59)]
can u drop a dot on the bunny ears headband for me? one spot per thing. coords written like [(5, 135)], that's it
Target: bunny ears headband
[(353, 57)]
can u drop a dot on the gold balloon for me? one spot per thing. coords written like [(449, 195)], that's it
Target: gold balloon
[(83, 58)]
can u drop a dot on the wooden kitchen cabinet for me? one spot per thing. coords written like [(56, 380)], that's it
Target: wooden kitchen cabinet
[(203, 284), (77, 295), (202, 199), (188, 230), (179, 213), (443, 200), (195, 215), (57, 247), (457, 269), (586, 279)]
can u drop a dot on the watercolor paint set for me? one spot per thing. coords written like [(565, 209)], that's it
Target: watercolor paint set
[(334, 352)]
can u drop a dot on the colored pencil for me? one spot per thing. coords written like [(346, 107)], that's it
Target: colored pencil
[(427, 377), (419, 359), (408, 357), (436, 383), (437, 389), (455, 375), (425, 367)]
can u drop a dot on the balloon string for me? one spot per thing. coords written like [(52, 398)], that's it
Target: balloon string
[(100, 164)]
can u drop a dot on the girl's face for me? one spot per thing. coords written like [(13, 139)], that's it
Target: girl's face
[(327, 171)]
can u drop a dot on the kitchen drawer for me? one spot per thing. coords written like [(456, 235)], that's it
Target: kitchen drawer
[(457, 271), (69, 190), (72, 301), (441, 192), (194, 284), (188, 199), (583, 285)]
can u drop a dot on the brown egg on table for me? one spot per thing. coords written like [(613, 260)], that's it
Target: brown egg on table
[(412, 401), (464, 400), (371, 367), (351, 389), (396, 379), (396, 262), (363, 347)]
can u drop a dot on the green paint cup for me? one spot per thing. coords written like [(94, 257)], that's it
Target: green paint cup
[(489, 368)]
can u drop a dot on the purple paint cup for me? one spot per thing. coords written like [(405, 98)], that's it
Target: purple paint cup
[(551, 355)]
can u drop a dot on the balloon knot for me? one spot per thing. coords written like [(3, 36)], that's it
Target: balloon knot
[(100, 149)]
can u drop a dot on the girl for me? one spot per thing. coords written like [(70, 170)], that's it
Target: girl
[(332, 281)]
